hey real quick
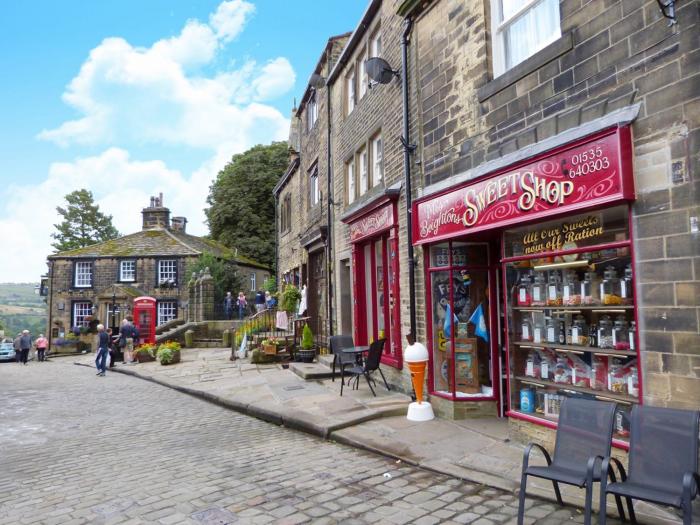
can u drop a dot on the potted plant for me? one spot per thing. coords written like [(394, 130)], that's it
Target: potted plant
[(269, 345), (169, 353), (145, 353), (290, 296), (307, 350)]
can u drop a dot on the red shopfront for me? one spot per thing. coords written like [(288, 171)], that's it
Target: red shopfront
[(375, 278), (530, 269)]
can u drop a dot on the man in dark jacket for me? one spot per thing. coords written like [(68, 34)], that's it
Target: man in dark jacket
[(25, 344), (259, 301)]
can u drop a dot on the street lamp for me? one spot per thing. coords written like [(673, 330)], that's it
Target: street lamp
[(114, 305)]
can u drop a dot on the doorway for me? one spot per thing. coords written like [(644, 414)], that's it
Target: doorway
[(345, 293)]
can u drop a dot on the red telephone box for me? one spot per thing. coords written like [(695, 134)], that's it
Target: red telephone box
[(145, 318)]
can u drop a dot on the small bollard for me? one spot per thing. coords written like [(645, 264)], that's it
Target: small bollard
[(189, 338), (226, 339)]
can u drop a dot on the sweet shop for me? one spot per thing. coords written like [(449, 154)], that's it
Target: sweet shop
[(530, 283)]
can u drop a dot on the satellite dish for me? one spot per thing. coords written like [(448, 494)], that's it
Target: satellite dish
[(379, 70), (317, 81)]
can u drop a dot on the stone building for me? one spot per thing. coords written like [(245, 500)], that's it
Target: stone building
[(87, 283), (554, 154)]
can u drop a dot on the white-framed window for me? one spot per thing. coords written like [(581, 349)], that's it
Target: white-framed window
[(364, 175), (350, 91), (253, 283), (375, 45), (167, 311), (377, 160), (82, 311), (314, 190), (311, 112), (127, 271), (520, 29), (167, 271), (350, 177), (362, 67), (83, 274)]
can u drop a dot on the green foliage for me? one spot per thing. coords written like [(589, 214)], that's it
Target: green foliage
[(83, 223), (270, 285), (166, 353), (307, 338), (242, 207), (21, 309), (290, 297), (146, 348), (225, 274)]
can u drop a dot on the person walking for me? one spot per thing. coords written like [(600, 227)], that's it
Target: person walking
[(242, 304), (102, 350), (259, 301), (25, 344), (270, 301), (126, 341), (18, 351), (41, 344), (228, 306)]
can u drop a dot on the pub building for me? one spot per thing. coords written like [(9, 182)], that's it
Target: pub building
[(529, 279)]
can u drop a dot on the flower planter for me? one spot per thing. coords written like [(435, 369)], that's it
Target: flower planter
[(175, 359), (144, 357), (269, 349), (306, 356)]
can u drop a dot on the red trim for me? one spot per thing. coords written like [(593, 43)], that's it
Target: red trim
[(373, 283), (429, 320), (640, 375), (369, 207)]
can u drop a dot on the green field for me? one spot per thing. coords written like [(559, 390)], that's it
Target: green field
[(21, 309)]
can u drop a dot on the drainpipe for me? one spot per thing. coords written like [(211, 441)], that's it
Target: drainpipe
[(277, 240), (407, 150), (329, 207), (49, 302)]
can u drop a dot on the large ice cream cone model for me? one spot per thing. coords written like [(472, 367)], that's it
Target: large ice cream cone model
[(416, 357)]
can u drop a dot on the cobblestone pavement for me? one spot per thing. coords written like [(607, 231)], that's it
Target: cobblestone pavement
[(76, 448)]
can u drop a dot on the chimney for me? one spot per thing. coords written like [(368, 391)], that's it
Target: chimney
[(178, 224), (156, 216)]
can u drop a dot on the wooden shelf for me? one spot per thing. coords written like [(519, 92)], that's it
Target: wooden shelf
[(602, 307), (576, 349), (540, 415), (600, 394)]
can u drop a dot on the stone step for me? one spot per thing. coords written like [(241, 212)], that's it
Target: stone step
[(326, 360), (311, 371), (207, 343)]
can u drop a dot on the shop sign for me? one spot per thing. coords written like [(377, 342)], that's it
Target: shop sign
[(569, 234), (372, 223), (585, 174)]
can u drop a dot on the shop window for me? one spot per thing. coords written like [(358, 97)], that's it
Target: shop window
[(364, 175), (167, 272), (167, 311), (460, 321), (311, 112), (521, 28), (377, 160), (314, 190), (362, 68), (570, 315), (350, 92), (127, 271), (82, 313), (82, 277), (350, 181)]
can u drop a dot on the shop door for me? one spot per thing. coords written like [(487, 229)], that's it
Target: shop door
[(316, 292)]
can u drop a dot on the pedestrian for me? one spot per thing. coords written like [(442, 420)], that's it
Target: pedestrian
[(228, 306), (126, 341), (270, 301), (41, 343), (242, 304), (18, 351), (259, 301), (25, 344), (102, 350), (113, 346)]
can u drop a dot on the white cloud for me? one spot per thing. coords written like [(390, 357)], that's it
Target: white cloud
[(229, 19)]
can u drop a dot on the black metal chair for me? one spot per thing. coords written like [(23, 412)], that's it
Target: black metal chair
[(663, 460), (584, 435), (340, 359), (370, 365)]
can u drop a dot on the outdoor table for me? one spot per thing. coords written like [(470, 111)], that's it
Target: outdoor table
[(357, 350)]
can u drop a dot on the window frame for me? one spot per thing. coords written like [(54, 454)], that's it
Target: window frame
[(253, 281), (162, 303), (363, 79), (314, 186), (120, 271), (350, 91), (376, 180), (350, 177), (74, 316), (311, 112), (500, 26), (159, 280), (375, 38), (91, 266), (363, 170)]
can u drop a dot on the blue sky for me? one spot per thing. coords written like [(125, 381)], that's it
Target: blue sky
[(129, 98)]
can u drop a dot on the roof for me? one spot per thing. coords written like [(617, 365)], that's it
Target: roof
[(293, 165), (157, 242)]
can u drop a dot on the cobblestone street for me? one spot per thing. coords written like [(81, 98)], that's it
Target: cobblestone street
[(76, 448)]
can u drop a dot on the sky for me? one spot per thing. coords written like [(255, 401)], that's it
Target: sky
[(128, 99)]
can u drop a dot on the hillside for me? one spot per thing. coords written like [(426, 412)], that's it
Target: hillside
[(21, 308)]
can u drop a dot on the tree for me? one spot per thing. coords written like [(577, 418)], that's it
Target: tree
[(83, 223), (225, 274), (242, 208)]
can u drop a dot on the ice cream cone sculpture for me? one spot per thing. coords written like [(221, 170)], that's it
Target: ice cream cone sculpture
[(416, 356)]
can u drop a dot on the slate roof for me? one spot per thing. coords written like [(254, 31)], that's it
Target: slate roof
[(157, 242)]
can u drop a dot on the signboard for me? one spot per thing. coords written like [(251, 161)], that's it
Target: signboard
[(587, 173), (372, 223)]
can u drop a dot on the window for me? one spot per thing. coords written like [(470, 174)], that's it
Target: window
[(167, 311), (167, 271), (253, 286), (364, 178), (375, 45), (351, 181), (311, 112), (362, 67), (82, 313), (127, 271), (350, 92), (521, 28), (377, 160), (315, 193), (286, 214), (83, 274)]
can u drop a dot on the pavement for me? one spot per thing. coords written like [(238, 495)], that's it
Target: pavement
[(475, 450)]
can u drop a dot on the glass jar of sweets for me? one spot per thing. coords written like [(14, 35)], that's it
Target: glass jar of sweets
[(554, 291), (620, 334), (633, 382), (552, 330), (617, 381), (579, 331), (526, 329), (539, 290), (605, 332), (570, 290), (524, 298), (631, 335), (627, 287), (589, 289), (610, 287), (538, 332)]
